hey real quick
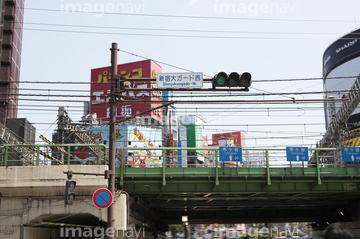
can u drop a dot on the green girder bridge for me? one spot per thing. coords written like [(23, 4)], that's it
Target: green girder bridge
[(262, 188)]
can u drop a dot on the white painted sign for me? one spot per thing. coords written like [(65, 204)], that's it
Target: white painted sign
[(179, 80)]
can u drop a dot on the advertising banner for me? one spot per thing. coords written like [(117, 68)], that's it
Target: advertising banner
[(144, 137), (236, 138), (101, 136), (342, 50), (126, 136), (100, 90)]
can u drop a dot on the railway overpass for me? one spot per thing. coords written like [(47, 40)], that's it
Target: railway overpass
[(32, 196)]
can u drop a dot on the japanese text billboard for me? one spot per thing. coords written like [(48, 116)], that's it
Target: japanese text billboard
[(100, 91)]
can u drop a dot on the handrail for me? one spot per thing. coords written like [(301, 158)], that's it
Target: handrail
[(8, 155), (270, 157)]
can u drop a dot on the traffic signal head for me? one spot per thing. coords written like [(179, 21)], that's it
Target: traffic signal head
[(245, 80), (232, 80), (220, 79), (69, 192)]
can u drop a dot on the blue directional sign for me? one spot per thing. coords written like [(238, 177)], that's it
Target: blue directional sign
[(179, 155), (297, 154), (230, 154), (350, 154)]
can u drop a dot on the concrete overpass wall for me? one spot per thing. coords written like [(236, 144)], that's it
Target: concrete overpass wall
[(32, 197), (48, 180), (37, 218)]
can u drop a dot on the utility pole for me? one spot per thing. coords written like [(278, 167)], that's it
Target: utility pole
[(111, 187)]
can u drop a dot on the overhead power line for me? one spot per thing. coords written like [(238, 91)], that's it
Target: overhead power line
[(180, 36), (177, 30), (260, 80), (185, 96), (291, 101), (187, 16), (167, 35)]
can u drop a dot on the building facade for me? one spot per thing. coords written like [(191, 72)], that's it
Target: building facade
[(100, 92), (11, 17), (341, 62)]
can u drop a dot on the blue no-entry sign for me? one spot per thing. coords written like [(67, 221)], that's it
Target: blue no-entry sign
[(102, 198)]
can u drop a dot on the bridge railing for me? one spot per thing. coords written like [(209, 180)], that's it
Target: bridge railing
[(205, 163), (45, 154), (209, 157), (54, 154)]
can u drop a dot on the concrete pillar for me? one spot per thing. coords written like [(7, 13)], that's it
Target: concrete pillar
[(38, 233), (8, 231), (12, 213)]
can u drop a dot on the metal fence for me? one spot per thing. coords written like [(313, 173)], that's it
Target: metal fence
[(152, 157), (56, 154)]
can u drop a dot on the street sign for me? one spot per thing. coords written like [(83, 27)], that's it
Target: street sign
[(179, 155), (297, 154), (179, 80), (102, 198), (230, 154), (350, 154)]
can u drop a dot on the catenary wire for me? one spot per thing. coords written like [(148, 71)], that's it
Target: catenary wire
[(191, 17), (177, 30)]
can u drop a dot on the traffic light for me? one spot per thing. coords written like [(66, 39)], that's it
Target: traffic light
[(232, 80), (220, 79), (69, 192)]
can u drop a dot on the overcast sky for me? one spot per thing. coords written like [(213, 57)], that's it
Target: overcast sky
[(272, 39)]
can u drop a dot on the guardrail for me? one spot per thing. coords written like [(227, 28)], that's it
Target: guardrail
[(151, 157), (163, 163), (45, 154), (252, 158)]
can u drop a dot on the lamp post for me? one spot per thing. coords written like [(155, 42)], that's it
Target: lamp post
[(184, 219)]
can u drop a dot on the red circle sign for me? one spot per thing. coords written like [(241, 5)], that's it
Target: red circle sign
[(102, 198)]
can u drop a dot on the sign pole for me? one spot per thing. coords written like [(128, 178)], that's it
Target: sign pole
[(112, 150)]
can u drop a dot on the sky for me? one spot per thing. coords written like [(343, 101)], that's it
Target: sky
[(273, 40)]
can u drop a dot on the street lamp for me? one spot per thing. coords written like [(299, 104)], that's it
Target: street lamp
[(184, 220)]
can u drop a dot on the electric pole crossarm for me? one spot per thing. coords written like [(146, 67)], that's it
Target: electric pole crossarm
[(70, 173)]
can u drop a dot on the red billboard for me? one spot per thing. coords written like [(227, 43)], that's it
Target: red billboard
[(237, 137), (100, 91)]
